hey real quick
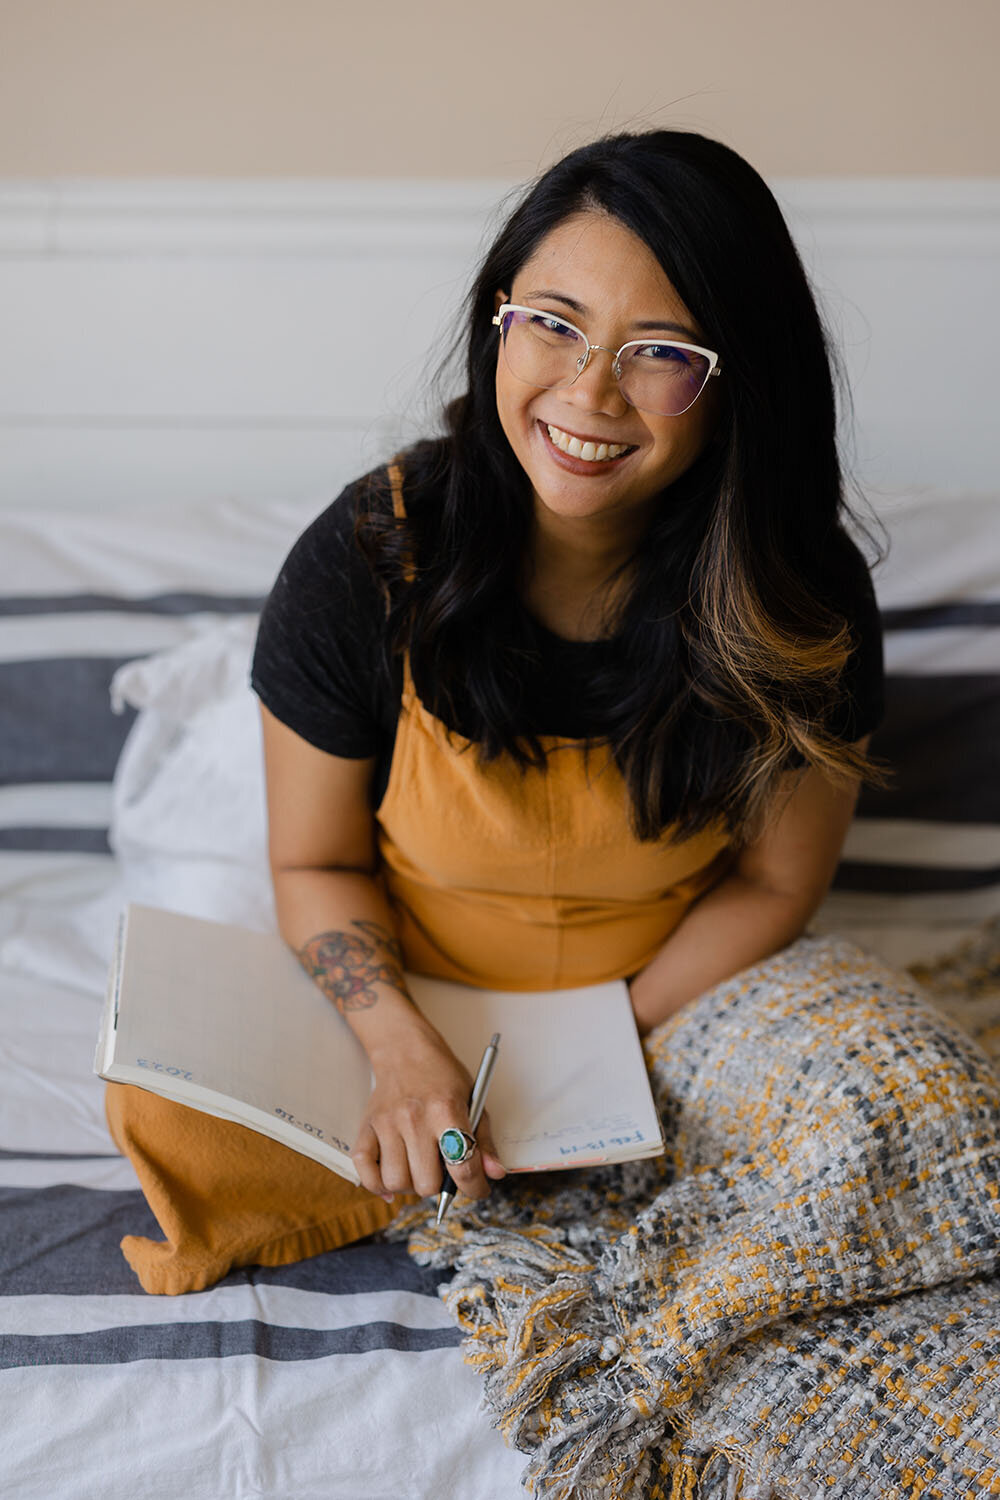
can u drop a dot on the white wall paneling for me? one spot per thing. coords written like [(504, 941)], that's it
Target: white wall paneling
[(908, 271), (172, 341)]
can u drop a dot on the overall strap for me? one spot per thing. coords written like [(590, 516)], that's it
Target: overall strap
[(395, 471), (396, 481)]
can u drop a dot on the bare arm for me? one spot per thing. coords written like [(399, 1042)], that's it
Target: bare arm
[(763, 904), (334, 914)]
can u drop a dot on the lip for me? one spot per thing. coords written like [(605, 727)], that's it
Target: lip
[(590, 469)]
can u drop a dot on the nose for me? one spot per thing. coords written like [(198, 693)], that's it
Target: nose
[(595, 389)]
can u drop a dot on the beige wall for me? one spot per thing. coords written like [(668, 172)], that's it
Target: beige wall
[(451, 88)]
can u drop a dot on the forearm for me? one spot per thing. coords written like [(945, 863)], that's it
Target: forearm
[(735, 924), (341, 928), (762, 905), (339, 924), (334, 914)]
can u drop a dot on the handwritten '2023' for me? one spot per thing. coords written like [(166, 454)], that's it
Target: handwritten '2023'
[(158, 1067), (633, 1138), (321, 1135)]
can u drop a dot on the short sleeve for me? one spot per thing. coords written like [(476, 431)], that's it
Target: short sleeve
[(318, 661), (861, 705)]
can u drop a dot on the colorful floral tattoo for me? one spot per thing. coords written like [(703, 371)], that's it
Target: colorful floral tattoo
[(347, 967)]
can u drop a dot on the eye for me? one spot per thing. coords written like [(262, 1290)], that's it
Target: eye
[(551, 329), (665, 354)]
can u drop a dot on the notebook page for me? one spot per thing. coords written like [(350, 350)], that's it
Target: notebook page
[(570, 1082), (232, 1011)]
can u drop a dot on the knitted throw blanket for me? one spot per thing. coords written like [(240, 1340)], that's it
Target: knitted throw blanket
[(802, 1297)]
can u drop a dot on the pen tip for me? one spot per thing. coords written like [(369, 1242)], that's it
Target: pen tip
[(444, 1202)]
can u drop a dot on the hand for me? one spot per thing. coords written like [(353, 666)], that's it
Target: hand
[(418, 1094)]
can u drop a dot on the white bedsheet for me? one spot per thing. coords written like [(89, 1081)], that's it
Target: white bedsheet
[(340, 1379), (269, 1393)]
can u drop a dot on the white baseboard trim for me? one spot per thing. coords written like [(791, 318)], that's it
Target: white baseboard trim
[(237, 218), (280, 217), (189, 336)]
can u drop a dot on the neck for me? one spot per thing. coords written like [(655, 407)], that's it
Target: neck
[(595, 545), (577, 573)]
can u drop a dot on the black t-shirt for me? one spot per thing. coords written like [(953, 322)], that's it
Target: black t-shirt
[(321, 666)]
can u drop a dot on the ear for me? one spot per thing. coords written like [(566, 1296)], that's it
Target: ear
[(498, 301)]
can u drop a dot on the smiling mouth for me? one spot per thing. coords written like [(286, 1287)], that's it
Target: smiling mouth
[(589, 451)]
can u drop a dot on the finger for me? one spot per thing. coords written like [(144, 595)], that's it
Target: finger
[(426, 1166), (365, 1157), (395, 1162), (492, 1165), (468, 1177)]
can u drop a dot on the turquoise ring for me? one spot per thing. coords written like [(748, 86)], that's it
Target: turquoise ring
[(456, 1146)]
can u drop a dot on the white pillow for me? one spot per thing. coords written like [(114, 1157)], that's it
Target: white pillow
[(188, 822)]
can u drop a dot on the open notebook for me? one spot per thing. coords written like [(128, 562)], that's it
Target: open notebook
[(225, 1020)]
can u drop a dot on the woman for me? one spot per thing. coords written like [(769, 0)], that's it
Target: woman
[(583, 688)]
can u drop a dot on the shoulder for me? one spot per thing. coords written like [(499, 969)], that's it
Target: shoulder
[(852, 595), (325, 603), (332, 589), (329, 544), (844, 571), (319, 662)]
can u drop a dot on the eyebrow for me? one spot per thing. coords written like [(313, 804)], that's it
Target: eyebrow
[(650, 326)]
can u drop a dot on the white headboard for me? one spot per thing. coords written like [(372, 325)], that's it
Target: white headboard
[(176, 341)]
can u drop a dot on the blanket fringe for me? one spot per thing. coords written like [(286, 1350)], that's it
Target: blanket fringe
[(547, 1322), (632, 1334), (539, 1318)]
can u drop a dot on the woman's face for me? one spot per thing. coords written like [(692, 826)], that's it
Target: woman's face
[(605, 280)]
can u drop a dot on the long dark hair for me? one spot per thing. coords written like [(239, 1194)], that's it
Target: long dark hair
[(730, 650)]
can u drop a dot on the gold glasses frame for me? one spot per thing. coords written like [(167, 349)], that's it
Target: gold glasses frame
[(714, 362)]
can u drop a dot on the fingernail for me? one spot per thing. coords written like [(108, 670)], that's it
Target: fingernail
[(387, 1197)]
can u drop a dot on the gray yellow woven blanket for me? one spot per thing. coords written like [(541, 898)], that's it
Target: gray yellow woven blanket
[(802, 1297)]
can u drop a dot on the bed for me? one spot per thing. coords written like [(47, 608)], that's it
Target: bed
[(330, 1379), (129, 763), (129, 767)]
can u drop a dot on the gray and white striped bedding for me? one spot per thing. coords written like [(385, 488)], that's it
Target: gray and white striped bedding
[(340, 1378), (921, 864)]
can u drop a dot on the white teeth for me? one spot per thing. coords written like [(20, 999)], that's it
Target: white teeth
[(590, 452)]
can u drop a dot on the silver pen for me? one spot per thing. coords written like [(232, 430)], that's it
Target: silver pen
[(477, 1102)]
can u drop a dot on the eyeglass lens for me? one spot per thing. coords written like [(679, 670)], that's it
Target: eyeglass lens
[(659, 378)]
